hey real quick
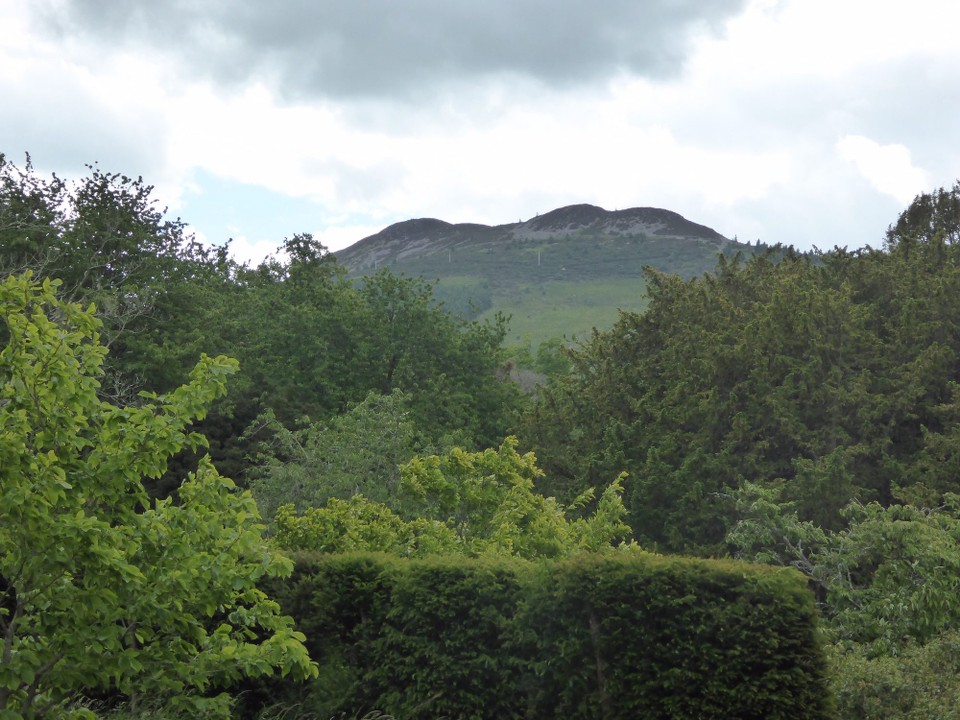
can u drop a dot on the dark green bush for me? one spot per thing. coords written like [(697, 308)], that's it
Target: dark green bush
[(623, 636), (668, 637), (443, 649), (338, 602)]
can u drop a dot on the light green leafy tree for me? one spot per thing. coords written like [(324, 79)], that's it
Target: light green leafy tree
[(360, 524), (474, 503), (101, 589), (356, 453), (888, 581), (888, 585)]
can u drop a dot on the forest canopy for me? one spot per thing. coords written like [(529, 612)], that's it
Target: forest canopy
[(309, 341), (797, 409), (831, 373)]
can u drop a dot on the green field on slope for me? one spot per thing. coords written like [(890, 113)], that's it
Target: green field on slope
[(569, 310)]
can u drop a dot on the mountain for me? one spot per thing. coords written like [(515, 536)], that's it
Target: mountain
[(660, 238), (558, 274)]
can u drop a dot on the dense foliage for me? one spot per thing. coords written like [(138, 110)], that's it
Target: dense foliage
[(887, 584), (358, 452), (621, 635), (102, 590), (799, 410), (889, 580), (836, 373), (460, 503), (310, 342), (791, 409)]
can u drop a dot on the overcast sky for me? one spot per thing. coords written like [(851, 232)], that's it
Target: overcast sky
[(807, 122)]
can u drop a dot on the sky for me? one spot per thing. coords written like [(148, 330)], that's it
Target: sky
[(808, 122)]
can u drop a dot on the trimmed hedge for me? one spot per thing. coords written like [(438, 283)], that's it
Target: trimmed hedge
[(629, 635), (658, 637)]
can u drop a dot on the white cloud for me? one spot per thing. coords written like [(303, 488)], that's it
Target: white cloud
[(251, 252), (742, 134), (887, 167), (781, 40)]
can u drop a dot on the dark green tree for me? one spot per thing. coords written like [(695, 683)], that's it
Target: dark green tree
[(931, 219), (105, 238), (447, 366), (836, 373)]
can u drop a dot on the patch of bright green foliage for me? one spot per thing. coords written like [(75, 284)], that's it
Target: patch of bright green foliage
[(459, 503), (102, 590)]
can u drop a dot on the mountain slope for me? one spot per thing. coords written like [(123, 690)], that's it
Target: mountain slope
[(558, 274), (660, 238)]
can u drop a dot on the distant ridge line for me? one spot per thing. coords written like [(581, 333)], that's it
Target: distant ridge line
[(409, 239)]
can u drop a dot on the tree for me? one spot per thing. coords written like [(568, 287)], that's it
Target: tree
[(887, 581), (314, 343), (448, 367), (931, 219), (719, 379), (836, 373), (108, 242), (460, 502), (552, 357), (31, 213), (101, 589), (311, 342), (887, 585), (357, 453), (291, 326)]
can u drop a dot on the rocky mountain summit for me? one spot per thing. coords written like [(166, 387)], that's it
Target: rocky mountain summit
[(591, 219), (407, 241)]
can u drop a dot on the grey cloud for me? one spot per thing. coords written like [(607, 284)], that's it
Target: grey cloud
[(377, 48), (915, 103), (64, 128)]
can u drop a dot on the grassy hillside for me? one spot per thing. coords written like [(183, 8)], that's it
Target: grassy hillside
[(565, 309)]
